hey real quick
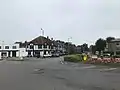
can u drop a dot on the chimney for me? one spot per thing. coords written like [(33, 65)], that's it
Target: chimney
[(51, 39), (47, 37)]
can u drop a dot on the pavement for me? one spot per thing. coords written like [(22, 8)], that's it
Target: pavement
[(55, 74)]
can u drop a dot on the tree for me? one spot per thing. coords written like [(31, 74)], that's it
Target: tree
[(92, 49), (100, 44), (85, 47), (108, 39), (70, 48)]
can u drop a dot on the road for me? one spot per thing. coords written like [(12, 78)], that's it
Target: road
[(53, 74)]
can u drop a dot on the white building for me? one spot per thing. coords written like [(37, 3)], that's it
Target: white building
[(12, 50), (38, 50), (40, 47)]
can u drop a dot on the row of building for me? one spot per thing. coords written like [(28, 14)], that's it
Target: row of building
[(38, 47)]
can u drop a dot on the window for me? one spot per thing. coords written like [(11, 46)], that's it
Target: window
[(39, 46), (14, 47), (48, 52), (31, 47), (6, 47), (27, 46), (51, 47), (45, 46), (0, 47), (44, 52)]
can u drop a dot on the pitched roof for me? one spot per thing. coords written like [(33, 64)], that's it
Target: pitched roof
[(41, 40), (116, 40), (22, 45)]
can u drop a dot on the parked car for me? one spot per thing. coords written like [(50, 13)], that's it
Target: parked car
[(55, 55), (45, 56), (29, 55)]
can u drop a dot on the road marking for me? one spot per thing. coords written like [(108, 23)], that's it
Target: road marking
[(65, 63), (62, 62), (88, 67), (38, 70), (108, 69)]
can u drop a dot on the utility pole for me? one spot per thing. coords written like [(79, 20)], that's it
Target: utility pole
[(69, 45), (2, 48), (42, 35)]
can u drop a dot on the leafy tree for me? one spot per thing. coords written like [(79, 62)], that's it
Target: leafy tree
[(100, 44), (85, 47), (93, 49), (70, 48)]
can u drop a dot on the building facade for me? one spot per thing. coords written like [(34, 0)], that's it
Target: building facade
[(113, 46), (59, 47), (40, 47), (12, 50)]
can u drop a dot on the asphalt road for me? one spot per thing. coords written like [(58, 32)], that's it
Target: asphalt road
[(53, 74)]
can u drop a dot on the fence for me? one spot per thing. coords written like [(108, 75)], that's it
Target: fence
[(104, 60)]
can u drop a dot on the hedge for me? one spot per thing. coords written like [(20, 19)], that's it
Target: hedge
[(73, 58)]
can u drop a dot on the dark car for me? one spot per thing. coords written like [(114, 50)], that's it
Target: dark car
[(55, 55), (29, 55)]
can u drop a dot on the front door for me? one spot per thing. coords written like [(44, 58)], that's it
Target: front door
[(13, 53), (9, 53)]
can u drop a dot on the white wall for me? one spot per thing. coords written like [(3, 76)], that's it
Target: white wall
[(17, 54), (41, 53), (22, 52), (10, 46), (0, 56)]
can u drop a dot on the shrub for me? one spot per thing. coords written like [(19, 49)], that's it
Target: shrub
[(73, 58), (116, 56)]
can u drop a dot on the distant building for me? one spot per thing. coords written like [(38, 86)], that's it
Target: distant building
[(39, 47), (59, 47), (12, 50), (113, 46)]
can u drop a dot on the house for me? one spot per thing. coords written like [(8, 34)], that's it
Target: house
[(12, 50), (39, 47), (59, 47), (113, 46)]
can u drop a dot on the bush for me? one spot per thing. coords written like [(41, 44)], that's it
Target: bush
[(116, 56), (73, 58)]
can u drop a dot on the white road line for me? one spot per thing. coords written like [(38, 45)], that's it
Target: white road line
[(61, 61), (65, 63), (88, 67), (108, 69)]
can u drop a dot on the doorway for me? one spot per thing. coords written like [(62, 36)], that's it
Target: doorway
[(13, 53), (9, 53)]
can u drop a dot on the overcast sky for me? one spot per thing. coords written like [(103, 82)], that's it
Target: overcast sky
[(83, 20)]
